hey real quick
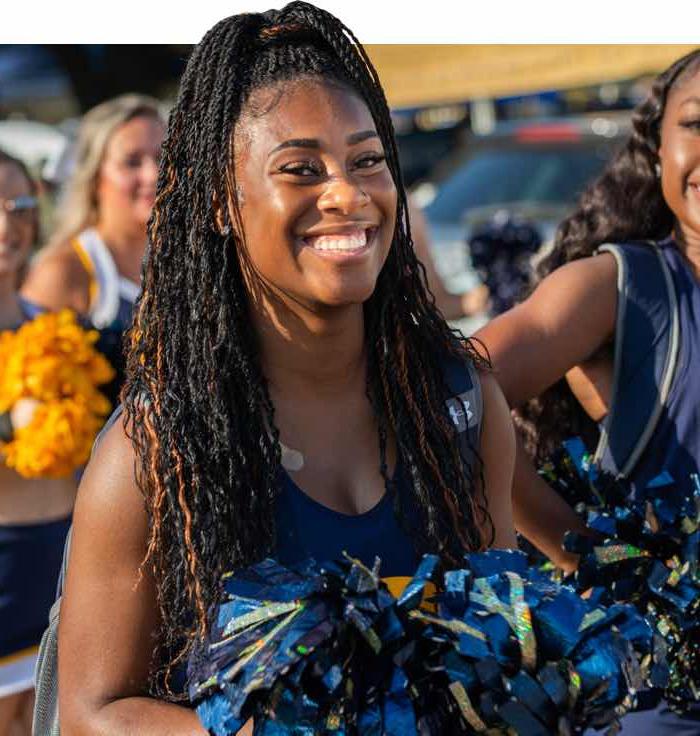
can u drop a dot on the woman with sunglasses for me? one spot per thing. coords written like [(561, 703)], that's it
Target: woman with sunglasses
[(34, 513)]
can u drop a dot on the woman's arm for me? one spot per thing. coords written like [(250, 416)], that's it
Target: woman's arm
[(565, 321), (109, 613), (452, 306), (498, 455)]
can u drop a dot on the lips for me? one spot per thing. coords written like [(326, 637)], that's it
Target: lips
[(345, 240)]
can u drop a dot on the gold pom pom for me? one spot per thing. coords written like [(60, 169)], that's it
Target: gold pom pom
[(53, 360)]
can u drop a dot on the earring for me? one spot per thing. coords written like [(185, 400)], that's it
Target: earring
[(226, 230), (657, 170)]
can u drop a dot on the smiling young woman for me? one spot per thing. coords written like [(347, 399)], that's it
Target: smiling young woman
[(93, 261), (562, 345), (287, 386)]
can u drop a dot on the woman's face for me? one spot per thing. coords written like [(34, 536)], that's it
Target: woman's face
[(679, 155), (317, 201), (17, 225), (126, 182)]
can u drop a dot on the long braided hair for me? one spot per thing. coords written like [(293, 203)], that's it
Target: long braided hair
[(199, 412), (625, 203)]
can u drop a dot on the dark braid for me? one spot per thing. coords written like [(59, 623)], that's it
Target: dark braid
[(625, 203), (197, 402)]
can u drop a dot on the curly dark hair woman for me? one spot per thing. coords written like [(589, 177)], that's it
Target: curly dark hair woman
[(559, 355), (285, 339), (625, 203)]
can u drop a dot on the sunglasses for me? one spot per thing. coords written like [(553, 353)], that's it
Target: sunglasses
[(20, 208)]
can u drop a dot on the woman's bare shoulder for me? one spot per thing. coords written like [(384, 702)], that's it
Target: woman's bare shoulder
[(109, 497), (58, 279)]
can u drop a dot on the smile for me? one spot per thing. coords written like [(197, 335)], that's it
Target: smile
[(348, 241)]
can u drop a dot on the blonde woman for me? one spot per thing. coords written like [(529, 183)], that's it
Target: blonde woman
[(93, 262)]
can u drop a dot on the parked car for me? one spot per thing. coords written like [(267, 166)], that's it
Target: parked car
[(530, 170)]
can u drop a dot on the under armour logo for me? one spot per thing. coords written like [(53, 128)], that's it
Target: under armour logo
[(460, 412)]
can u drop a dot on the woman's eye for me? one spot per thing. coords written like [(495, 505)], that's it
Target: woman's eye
[(132, 162), (302, 168), (367, 162), (691, 124)]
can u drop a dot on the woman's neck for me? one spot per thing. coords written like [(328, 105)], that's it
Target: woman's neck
[(303, 351)]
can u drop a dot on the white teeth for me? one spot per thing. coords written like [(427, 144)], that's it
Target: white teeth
[(340, 242)]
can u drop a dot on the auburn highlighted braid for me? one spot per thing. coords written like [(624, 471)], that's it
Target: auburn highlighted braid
[(197, 403), (624, 203)]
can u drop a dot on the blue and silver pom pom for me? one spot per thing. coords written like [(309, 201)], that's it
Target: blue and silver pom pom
[(498, 650), (646, 552)]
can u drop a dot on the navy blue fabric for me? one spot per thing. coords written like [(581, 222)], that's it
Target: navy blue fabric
[(306, 528), (675, 445), (30, 309), (30, 561), (642, 355)]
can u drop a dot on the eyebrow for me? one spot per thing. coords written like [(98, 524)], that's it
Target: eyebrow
[(690, 100), (351, 140)]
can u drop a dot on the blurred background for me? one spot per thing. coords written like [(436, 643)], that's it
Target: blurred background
[(496, 141)]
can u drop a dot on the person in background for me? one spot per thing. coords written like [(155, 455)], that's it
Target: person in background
[(34, 513), (92, 263), (555, 355), (453, 306)]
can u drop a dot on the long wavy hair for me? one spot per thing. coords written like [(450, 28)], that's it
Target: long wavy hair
[(624, 203), (80, 207), (197, 403)]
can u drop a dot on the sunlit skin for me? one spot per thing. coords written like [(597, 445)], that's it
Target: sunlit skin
[(307, 309), (317, 168), (679, 157), (567, 326), (125, 193), (16, 232), (126, 190), (21, 500)]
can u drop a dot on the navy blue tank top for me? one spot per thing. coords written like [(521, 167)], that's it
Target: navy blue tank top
[(307, 528), (675, 444)]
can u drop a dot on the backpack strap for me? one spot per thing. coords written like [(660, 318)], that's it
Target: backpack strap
[(465, 404), (647, 342)]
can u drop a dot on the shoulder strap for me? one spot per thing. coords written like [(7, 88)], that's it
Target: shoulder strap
[(128, 290), (87, 264), (105, 306), (465, 404), (647, 340)]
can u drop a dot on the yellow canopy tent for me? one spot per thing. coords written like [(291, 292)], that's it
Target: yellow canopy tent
[(416, 75)]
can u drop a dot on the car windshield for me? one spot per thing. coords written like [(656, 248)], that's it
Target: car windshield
[(551, 175)]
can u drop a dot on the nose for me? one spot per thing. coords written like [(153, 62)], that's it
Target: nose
[(149, 170), (343, 195)]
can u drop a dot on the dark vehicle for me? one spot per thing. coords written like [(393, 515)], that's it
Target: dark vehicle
[(532, 170)]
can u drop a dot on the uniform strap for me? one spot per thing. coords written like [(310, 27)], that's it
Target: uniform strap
[(647, 342)]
